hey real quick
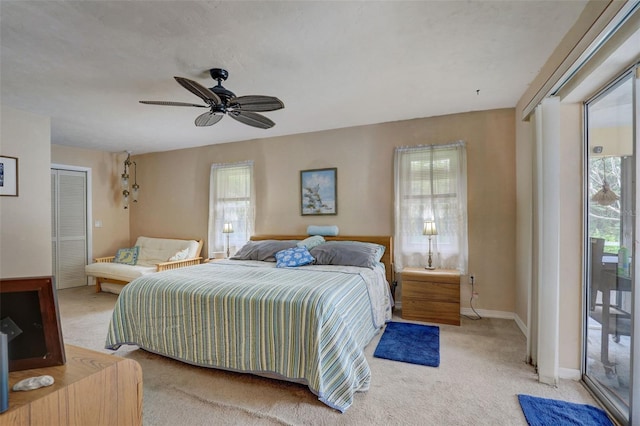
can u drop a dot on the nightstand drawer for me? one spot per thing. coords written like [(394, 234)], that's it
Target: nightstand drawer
[(427, 275), (436, 292), (421, 310)]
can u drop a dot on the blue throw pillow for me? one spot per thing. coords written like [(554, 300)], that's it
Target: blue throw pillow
[(293, 257), (127, 256)]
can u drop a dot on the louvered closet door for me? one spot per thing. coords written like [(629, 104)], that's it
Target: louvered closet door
[(69, 227), (54, 220)]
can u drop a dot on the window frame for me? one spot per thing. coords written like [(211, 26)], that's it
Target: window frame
[(229, 207)]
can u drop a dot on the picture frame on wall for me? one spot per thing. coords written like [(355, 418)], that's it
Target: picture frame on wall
[(319, 192), (8, 176), (31, 321)]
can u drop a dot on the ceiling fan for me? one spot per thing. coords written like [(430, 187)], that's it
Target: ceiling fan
[(221, 101)]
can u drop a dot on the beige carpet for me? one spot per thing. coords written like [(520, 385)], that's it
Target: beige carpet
[(481, 372)]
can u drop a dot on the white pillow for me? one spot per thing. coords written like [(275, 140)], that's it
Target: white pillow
[(181, 255), (311, 242)]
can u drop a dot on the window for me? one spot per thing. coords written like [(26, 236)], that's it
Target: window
[(231, 200), (431, 184)]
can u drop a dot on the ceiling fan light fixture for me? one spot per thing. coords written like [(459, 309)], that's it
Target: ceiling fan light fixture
[(605, 196)]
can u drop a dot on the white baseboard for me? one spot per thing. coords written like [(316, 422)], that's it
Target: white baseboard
[(486, 313), (569, 373), (521, 325)]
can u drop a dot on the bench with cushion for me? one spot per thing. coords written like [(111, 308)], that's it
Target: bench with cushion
[(151, 255)]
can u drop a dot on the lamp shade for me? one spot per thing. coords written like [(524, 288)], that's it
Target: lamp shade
[(227, 228), (124, 181), (125, 199), (429, 228)]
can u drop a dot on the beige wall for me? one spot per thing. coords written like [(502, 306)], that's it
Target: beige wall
[(25, 221), (175, 184), (106, 202)]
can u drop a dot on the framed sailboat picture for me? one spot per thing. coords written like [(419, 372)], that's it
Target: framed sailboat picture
[(318, 192)]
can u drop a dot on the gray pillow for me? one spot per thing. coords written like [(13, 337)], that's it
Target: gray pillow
[(264, 250), (348, 253)]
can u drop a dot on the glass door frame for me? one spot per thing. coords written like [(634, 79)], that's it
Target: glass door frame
[(634, 397)]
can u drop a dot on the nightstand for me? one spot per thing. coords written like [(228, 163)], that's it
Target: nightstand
[(431, 295)]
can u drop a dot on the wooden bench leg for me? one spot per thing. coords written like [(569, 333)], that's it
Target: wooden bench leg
[(98, 286)]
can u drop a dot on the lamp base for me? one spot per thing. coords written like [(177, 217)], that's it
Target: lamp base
[(429, 267)]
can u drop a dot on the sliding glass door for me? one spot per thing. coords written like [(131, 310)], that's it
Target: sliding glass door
[(611, 173)]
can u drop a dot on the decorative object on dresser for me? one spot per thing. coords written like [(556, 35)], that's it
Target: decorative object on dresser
[(431, 295), (318, 192), (4, 374), (430, 230), (93, 388), (32, 383), (154, 255), (8, 176), (29, 318)]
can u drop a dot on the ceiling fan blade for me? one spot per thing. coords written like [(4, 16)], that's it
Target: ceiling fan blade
[(199, 90), (256, 103), (168, 103), (252, 119), (208, 119)]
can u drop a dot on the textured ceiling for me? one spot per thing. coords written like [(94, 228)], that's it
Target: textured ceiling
[(86, 64)]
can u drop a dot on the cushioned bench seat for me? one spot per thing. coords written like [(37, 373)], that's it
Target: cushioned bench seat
[(118, 271), (153, 256)]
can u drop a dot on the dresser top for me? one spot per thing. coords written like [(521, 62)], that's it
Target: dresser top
[(453, 272)]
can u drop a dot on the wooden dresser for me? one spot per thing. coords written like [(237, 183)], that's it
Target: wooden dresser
[(92, 388), (431, 295)]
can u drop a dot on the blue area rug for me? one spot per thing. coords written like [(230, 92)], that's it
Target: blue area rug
[(544, 412), (412, 343)]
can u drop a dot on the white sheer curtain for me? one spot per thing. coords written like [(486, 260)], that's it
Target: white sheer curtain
[(231, 200), (431, 184)]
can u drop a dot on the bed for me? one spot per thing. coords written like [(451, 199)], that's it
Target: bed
[(307, 324)]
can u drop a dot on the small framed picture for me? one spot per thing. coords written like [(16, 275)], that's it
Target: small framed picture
[(318, 192), (31, 321), (8, 176)]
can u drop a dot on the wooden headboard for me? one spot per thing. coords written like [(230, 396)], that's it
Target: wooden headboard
[(384, 240)]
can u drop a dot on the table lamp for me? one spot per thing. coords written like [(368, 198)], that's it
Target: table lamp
[(430, 230), (227, 229)]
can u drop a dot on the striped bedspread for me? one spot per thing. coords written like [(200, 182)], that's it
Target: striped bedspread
[(307, 324)]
